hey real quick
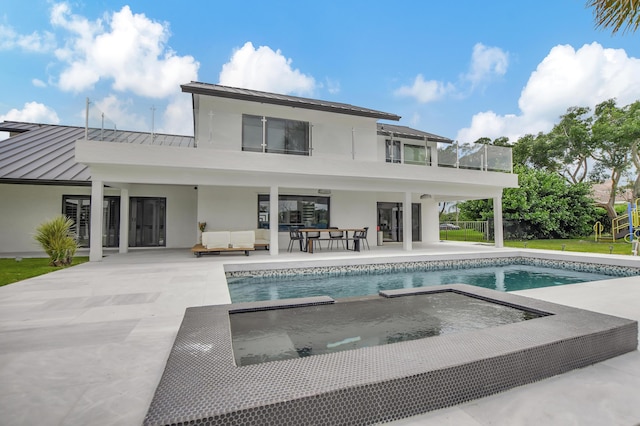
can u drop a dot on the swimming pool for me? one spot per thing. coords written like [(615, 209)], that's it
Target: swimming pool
[(503, 277)]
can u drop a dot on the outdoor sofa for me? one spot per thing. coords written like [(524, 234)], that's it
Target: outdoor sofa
[(225, 241)]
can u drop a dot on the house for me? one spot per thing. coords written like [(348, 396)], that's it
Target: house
[(327, 164)]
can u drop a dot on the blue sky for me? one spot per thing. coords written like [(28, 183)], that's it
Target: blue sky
[(464, 69)]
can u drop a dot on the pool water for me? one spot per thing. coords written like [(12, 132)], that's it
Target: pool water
[(502, 278), (286, 333)]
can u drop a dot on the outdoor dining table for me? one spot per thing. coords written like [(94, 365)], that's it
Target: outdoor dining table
[(309, 242)]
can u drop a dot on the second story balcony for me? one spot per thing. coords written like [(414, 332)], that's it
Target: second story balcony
[(338, 150)]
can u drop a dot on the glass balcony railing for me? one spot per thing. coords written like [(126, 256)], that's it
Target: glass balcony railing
[(221, 130), (476, 157)]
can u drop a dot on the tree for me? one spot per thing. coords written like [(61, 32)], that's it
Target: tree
[(616, 14), (634, 124), (571, 144), (615, 132), (565, 150), (544, 206)]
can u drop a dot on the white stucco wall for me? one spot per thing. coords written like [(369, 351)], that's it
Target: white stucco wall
[(24, 207), (220, 127)]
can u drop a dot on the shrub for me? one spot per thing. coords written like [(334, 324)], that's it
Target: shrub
[(58, 240)]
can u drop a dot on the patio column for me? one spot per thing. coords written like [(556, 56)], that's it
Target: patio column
[(407, 242), (497, 221), (430, 219), (124, 220), (95, 240), (273, 221)]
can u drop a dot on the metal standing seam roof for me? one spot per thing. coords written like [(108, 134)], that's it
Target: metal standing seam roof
[(409, 133), (217, 90), (44, 153)]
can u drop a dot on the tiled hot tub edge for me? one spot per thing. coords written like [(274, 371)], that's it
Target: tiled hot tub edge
[(201, 384)]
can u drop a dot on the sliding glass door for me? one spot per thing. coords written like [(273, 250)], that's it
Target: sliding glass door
[(390, 221), (148, 222)]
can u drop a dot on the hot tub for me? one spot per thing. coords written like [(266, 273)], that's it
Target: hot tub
[(378, 383)]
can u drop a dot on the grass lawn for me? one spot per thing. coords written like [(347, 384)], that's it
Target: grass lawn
[(581, 245), (12, 271), (462, 235)]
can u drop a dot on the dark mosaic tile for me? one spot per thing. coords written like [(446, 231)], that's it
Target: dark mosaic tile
[(202, 385)]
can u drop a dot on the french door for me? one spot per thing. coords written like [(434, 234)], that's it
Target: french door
[(78, 209)]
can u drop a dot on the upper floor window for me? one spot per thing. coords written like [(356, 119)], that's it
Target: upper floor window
[(276, 135), (393, 151), (417, 154)]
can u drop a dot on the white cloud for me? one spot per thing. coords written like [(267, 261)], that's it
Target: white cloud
[(425, 91), (333, 86), (32, 112), (565, 78), (129, 49), (264, 69), (38, 83), (112, 112), (487, 62), (34, 42), (178, 116)]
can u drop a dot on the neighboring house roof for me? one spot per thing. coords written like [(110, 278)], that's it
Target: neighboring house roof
[(600, 193), (44, 153), (286, 100), (409, 133)]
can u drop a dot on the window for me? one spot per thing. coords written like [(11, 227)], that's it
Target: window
[(415, 154), (393, 151), (295, 211), (280, 136)]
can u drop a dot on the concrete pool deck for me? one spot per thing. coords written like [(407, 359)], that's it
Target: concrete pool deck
[(88, 345)]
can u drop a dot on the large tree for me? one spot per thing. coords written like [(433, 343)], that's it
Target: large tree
[(633, 122), (565, 150), (616, 14), (615, 133)]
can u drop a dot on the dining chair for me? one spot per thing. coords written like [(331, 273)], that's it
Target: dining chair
[(315, 237), (362, 237), (295, 235), (336, 236)]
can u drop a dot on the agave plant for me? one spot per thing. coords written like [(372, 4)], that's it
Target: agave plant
[(58, 240)]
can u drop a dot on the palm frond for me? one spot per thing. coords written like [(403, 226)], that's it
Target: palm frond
[(616, 14)]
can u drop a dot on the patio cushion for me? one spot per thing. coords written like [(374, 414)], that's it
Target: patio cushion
[(242, 239), (217, 239), (263, 236)]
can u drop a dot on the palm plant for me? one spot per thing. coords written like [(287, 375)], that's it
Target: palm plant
[(616, 14), (58, 240)]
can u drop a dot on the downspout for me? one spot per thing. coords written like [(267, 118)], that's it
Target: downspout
[(353, 143)]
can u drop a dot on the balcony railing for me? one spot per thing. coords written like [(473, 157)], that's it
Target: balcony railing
[(99, 127), (476, 157), (355, 143)]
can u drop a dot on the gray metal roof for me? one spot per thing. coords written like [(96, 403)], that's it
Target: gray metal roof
[(217, 90), (44, 153), (409, 133)]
